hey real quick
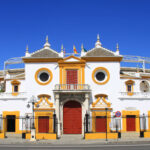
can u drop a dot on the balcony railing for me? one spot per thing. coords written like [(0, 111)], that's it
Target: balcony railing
[(9, 95), (72, 87), (140, 95)]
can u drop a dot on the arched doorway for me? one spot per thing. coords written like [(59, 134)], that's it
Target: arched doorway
[(72, 118)]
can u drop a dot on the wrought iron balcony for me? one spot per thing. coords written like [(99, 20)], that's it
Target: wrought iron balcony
[(72, 87)]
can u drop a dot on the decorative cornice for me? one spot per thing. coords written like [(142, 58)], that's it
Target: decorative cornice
[(100, 59), (32, 60)]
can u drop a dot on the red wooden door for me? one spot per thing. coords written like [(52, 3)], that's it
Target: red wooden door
[(130, 123), (72, 78), (72, 118), (101, 124), (43, 124)]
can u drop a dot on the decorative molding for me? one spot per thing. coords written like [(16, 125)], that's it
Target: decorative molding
[(100, 59), (44, 103), (101, 105)]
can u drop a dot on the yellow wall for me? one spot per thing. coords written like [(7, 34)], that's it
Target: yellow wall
[(49, 114), (124, 115), (51, 136), (101, 136), (2, 135), (17, 114), (148, 120), (146, 134)]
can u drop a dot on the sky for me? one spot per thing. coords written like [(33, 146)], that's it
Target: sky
[(73, 22)]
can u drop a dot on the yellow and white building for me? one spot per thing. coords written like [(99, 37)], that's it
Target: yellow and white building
[(72, 87)]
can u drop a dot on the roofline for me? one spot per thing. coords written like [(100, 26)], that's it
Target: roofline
[(39, 50), (102, 48), (107, 58), (37, 59)]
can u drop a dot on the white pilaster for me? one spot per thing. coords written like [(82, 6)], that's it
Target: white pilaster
[(58, 114), (85, 109)]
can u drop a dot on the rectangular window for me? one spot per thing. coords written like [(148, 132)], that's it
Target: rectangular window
[(16, 88), (129, 88)]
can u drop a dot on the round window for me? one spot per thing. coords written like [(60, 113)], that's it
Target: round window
[(100, 75), (43, 76), (144, 86)]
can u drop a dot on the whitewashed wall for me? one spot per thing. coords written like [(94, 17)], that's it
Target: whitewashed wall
[(111, 88), (140, 102), (21, 86), (32, 87)]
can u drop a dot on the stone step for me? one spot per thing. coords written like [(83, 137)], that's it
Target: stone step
[(70, 137), (130, 135), (13, 135)]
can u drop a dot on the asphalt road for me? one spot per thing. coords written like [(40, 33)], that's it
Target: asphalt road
[(77, 147)]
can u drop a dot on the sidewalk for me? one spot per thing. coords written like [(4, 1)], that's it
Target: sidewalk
[(73, 140)]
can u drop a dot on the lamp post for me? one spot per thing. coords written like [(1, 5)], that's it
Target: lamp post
[(144, 122), (33, 131), (32, 101)]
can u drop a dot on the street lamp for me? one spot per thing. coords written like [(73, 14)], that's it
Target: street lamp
[(32, 101), (144, 122)]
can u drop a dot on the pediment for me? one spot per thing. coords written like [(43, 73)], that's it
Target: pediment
[(101, 102), (72, 59), (44, 102)]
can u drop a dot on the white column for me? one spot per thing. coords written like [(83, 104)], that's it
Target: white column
[(87, 101), (57, 114), (85, 108)]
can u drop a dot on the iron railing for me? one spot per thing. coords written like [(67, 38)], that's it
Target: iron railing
[(113, 124)]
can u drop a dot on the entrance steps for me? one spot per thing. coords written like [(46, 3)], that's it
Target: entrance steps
[(130, 135), (13, 135), (71, 137)]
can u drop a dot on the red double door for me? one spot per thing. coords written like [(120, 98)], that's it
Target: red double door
[(101, 124), (72, 118), (131, 123), (43, 124)]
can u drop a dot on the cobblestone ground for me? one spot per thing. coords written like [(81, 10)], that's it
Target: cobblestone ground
[(72, 139)]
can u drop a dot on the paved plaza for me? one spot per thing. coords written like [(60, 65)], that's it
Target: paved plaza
[(73, 140)]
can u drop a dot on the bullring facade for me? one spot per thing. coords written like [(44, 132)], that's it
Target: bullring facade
[(88, 94)]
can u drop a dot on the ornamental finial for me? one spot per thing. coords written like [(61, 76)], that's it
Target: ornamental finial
[(47, 38), (117, 47), (62, 47), (98, 43), (27, 49), (98, 38), (47, 45), (82, 47)]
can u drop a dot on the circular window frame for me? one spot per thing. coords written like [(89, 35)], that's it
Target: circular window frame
[(104, 70), (39, 71), (147, 87)]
